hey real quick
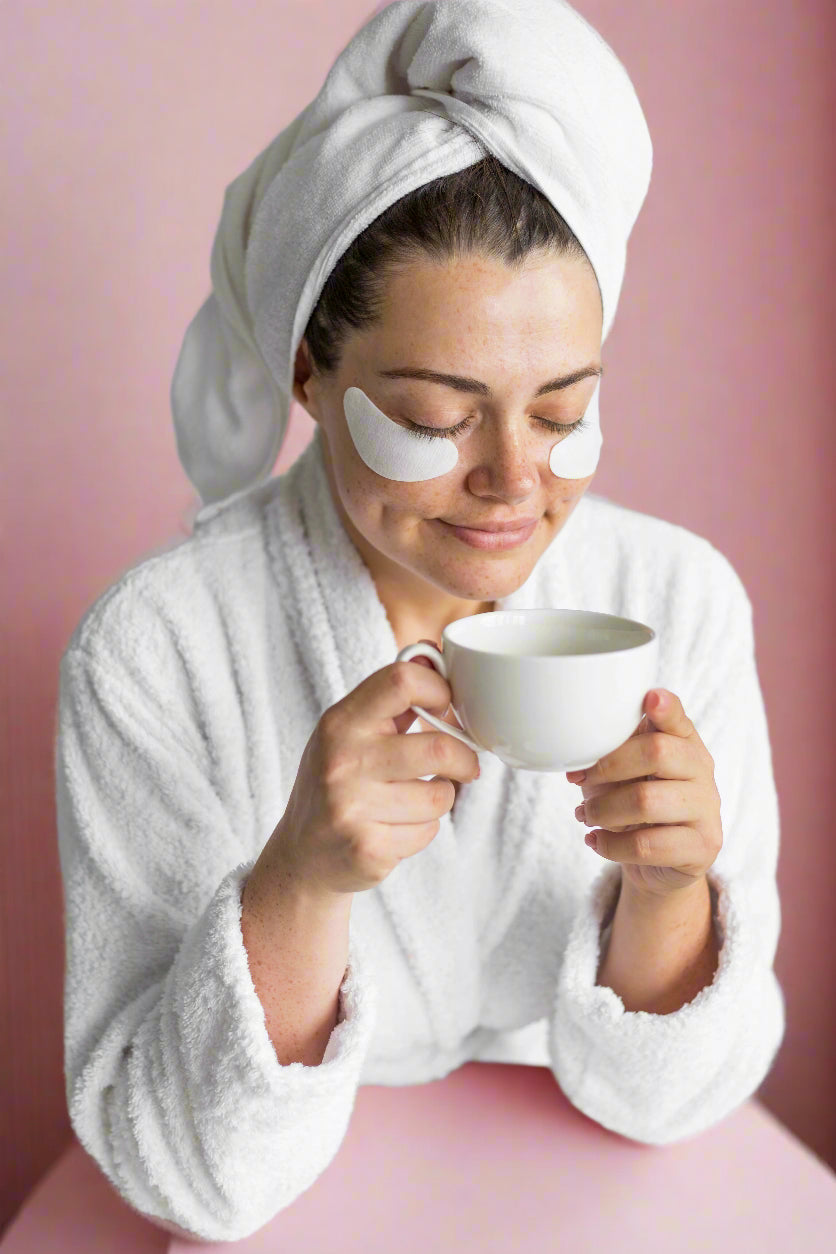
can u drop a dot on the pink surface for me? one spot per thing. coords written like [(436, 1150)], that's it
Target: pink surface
[(126, 123), (74, 1210), (494, 1159)]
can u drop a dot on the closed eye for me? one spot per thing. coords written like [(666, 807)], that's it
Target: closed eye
[(561, 428)]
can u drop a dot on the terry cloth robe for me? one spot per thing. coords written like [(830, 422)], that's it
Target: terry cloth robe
[(188, 691)]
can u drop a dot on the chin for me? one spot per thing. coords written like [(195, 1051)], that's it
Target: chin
[(487, 585)]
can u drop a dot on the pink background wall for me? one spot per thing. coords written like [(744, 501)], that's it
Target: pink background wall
[(128, 122)]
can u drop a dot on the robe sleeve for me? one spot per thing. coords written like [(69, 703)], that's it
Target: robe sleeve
[(662, 1078), (172, 1083)]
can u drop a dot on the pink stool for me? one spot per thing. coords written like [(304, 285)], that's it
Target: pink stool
[(495, 1160)]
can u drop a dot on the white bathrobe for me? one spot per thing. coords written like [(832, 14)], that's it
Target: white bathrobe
[(187, 694)]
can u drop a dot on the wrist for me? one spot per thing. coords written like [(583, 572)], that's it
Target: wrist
[(662, 950), (278, 876), (671, 900)]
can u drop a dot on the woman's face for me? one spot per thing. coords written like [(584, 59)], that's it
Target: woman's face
[(510, 331)]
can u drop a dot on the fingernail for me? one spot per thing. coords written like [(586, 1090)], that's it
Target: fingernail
[(580, 812), (592, 840), (576, 777)]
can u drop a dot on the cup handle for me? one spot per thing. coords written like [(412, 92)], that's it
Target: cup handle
[(437, 659)]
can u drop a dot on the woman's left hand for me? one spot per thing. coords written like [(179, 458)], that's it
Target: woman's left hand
[(653, 801)]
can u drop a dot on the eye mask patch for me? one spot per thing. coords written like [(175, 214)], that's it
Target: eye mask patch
[(396, 453), (577, 455), (390, 450)]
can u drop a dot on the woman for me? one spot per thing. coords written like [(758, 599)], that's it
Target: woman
[(273, 894)]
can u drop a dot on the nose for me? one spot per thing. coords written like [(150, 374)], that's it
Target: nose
[(506, 468)]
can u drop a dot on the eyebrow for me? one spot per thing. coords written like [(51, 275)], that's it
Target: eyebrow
[(462, 384)]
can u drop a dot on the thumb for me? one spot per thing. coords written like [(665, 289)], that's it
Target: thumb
[(666, 714)]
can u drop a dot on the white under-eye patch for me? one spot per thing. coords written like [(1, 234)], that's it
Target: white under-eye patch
[(577, 456), (391, 450), (397, 453)]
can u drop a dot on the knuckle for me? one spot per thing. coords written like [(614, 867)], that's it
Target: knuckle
[(339, 763), (644, 796), (362, 849), (402, 678), (658, 751), (601, 769), (443, 751), (443, 795), (331, 724), (644, 846)]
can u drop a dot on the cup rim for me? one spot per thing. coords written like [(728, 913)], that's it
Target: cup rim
[(643, 634)]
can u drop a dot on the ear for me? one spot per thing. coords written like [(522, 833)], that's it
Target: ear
[(304, 383)]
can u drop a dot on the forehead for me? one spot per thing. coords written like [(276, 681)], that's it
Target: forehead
[(549, 305)]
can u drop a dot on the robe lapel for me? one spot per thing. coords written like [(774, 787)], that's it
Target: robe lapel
[(343, 635)]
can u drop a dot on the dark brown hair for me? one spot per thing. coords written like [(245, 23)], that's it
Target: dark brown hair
[(485, 209)]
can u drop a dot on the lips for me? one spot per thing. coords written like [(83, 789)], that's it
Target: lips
[(516, 524), (497, 537)]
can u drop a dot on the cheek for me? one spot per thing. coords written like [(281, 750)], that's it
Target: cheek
[(565, 495), (378, 500)]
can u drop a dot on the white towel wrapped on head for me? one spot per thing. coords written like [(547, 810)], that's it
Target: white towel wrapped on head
[(423, 90)]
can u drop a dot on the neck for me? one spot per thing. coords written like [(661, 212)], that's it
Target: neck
[(414, 618), (416, 608)]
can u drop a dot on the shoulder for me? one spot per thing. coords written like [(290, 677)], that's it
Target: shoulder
[(636, 565), (669, 560), (174, 599)]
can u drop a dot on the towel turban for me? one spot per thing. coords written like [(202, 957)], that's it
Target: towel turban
[(420, 91)]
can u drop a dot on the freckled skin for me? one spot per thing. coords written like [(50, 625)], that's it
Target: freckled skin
[(512, 329)]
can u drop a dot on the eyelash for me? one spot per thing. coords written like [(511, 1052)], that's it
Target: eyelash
[(434, 432)]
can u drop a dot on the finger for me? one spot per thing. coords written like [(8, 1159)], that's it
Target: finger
[(657, 754), (653, 801), (597, 792), (391, 758), (410, 802), (404, 721), (666, 846), (390, 691)]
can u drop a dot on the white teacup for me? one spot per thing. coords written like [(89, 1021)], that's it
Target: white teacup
[(544, 689)]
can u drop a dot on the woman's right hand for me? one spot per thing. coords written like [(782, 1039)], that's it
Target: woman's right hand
[(359, 805)]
